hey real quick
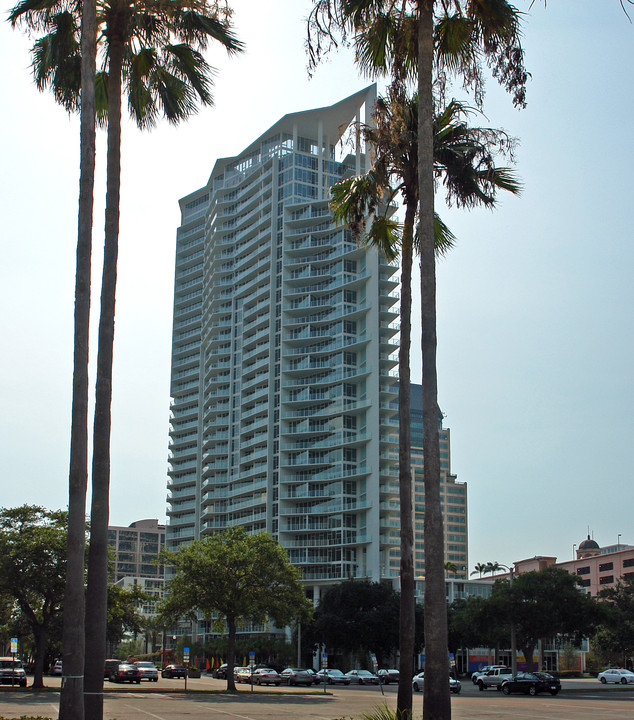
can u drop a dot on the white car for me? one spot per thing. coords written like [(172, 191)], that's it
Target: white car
[(147, 670), (477, 674), (616, 675), (418, 683)]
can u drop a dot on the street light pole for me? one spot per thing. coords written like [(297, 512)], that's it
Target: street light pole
[(513, 638)]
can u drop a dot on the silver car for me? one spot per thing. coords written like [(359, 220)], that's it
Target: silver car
[(362, 677), (297, 676), (147, 670), (616, 675), (418, 683)]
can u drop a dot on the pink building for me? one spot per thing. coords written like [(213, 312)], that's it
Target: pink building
[(597, 567)]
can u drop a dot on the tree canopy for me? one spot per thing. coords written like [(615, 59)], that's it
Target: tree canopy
[(542, 604), (614, 639), (359, 616), (33, 569), (233, 576)]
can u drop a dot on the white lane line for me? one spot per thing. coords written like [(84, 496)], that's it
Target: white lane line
[(145, 712), (224, 712)]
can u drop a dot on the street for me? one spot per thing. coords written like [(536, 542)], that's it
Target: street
[(166, 700)]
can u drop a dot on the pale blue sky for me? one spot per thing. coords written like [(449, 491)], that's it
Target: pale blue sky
[(536, 341)]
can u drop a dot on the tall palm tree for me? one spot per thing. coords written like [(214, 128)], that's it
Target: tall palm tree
[(464, 160), (431, 41), (153, 50), (156, 48), (60, 38)]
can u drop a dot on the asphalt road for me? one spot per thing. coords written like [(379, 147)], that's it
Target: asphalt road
[(166, 700)]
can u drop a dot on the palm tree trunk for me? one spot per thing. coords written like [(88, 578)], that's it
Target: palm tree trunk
[(71, 704), (407, 614), (97, 595), (436, 702)]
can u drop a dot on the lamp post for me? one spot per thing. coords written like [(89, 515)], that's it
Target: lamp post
[(618, 541), (574, 545)]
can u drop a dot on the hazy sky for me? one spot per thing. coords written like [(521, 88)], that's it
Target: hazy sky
[(536, 341)]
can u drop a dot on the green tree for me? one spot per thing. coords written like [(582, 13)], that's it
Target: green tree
[(123, 612), (360, 616), (72, 699), (33, 569), (543, 604), (231, 577), (156, 50), (615, 636), (430, 41)]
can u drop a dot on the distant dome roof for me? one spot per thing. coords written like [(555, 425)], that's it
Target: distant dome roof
[(588, 544)]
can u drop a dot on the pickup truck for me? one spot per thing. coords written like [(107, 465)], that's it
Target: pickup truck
[(494, 678)]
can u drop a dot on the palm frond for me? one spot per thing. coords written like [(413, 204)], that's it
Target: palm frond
[(444, 239), (196, 28), (191, 66), (385, 234)]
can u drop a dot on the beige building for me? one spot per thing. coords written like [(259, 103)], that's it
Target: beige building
[(136, 549), (597, 567)]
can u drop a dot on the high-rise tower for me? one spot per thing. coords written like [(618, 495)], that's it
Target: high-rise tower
[(283, 355)]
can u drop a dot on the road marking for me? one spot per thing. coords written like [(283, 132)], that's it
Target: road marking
[(145, 712)]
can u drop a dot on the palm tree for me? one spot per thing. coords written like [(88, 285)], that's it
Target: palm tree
[(464, 161), (479, 568), (155, 48), (431, 41), (60, 34)]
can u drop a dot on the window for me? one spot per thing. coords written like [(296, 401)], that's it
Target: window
[(606, 579), (349, 390), (629, 562), (583, 570), (585, 582), (350, 266), (606, 566)]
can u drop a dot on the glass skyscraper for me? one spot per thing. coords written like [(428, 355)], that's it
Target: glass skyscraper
[(283, 357)]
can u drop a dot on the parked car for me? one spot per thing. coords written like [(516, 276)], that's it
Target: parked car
[(483, 671), (297, 676), (110, 665), (494, 678), (266, 676), (221, 672), (56, 668), (362, 677), (332, 676), (418, 683), (174, 671), (147, 670), (124, 672), (314, 675), (616, 675), (12, 672), (388, 675), (242, 674), (531, 684)]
